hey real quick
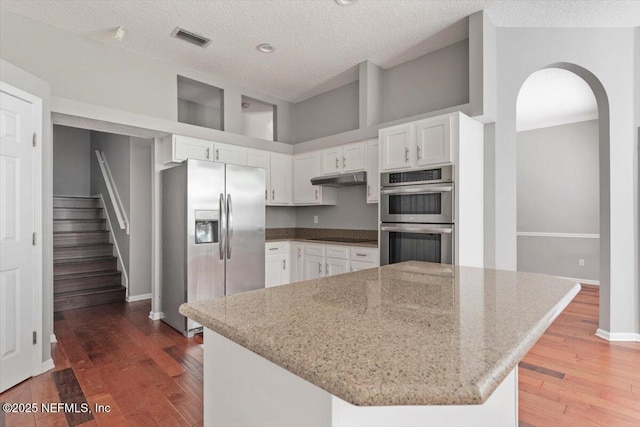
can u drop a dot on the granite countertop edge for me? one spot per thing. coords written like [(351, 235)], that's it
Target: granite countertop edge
[(320, 242)]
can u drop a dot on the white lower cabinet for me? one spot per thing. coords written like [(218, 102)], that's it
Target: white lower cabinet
[(276, 266), (335, 266), (313, 267), (297, 262), (360, 265)]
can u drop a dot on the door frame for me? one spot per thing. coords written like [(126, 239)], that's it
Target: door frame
[(37, 105)]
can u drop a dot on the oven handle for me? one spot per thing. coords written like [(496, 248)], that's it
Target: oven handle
[(418, 229), (418, 190)]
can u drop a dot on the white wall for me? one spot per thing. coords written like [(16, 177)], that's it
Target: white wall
[(605, 59), (199, 115), (71, 166), (558, 192)]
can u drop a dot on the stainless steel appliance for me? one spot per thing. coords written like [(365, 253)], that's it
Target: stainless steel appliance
[(345, 179), (213, 225), (417, 216)]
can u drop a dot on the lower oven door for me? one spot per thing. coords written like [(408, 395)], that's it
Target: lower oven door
[(416, 242)]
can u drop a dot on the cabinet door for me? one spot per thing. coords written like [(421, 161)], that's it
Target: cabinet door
[(280, 179), (313, 267), (359, 265), (297, 262), (185, 148), (353, 157), (331, 160), (433, 141), (274, 268), (373, 173), (397, 143), (260, 159), (231, 154), (335, 266), (305, 167)]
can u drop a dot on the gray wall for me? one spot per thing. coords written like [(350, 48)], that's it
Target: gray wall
[(281, 217), (140, 253), (431, 82), (329, 113), (558, 192), (351, 212), (117, 153), (71, 166), (604, 58), (199, 115)]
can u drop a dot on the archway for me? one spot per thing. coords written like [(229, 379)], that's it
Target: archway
[(574, 244)]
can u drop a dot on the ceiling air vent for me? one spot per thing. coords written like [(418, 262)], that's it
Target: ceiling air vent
[(191, 37)]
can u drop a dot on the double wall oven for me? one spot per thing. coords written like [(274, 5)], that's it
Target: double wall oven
[(417, 216)]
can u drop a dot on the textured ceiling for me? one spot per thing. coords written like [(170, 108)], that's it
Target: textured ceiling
[(317, 42), (552, 97)]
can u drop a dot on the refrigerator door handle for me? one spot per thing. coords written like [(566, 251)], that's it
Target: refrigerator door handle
[(229, 225), (221, 226)]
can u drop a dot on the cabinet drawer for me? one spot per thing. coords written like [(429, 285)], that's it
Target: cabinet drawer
[(274, 248), (364, 254), (360, 265), (314, 250), (340, 252)]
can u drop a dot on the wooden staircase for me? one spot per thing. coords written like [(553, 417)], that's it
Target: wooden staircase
[(84, 269)]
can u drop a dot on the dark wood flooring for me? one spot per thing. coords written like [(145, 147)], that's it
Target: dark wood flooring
[(150, 375)]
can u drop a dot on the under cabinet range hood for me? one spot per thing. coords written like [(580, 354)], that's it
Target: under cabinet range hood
[(341, 179)]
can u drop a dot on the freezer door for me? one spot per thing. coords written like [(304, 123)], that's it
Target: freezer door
[(245, 228), (205, 254)]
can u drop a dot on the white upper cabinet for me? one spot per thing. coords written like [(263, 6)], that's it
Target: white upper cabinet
[(260, 159), (305, 167), (373, 173), (345, 158), (433, 141), (280, 179), (422, 143), (180, 148), (231, 154), (396, 145)]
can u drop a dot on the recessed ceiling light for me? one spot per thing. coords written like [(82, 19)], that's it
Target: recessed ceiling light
[(265, 48), (346, 2)]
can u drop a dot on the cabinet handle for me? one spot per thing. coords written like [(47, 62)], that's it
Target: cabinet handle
[(299, 252), (266, 194), (284, 264), (217, 154), (273, 249), (368, 190), (316, 194), (207, 154), (273, 194), (357, 254), (418, 151), (319, 268), (326, 267), (337, 166), (406, 154), (344, 162)]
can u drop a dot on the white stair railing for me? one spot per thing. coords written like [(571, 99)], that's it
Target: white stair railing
[(118, 207)]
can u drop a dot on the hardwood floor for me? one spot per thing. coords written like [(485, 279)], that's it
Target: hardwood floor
[(150, 375)]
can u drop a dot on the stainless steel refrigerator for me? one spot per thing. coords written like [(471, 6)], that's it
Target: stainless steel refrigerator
[(213, 221)]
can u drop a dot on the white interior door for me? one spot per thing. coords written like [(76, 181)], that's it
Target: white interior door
[(17, 253)]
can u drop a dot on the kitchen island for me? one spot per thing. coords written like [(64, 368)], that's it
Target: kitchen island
[(409, 344)]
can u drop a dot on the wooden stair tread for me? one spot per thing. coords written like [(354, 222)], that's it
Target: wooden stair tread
[(88, 274), (79, 219), (62, 233), (83, 245)]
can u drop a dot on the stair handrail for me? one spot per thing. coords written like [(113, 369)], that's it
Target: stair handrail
[(114, 196)]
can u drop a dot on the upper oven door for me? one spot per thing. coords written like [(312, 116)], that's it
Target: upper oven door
[(424, 203)]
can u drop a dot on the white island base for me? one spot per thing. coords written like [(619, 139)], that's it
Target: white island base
[(244, 389)]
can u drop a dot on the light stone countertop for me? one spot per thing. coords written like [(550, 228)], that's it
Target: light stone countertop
[(368, 244), (404, 334)]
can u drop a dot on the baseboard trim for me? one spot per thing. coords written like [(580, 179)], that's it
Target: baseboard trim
[(47, 365), (618, 336), (53, 339), (142, 297), (585, 281), (156, 315)]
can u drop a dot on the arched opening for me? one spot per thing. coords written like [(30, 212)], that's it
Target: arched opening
[(563, 219)]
